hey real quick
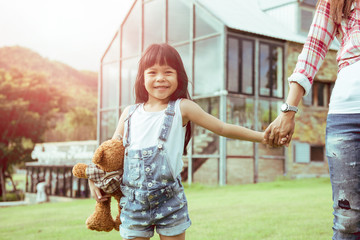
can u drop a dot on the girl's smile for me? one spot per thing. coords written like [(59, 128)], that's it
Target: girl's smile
[(160, 82)]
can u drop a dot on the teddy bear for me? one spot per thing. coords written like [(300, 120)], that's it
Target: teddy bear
[(106, 171)]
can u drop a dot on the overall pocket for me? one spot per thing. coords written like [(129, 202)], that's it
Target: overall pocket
[(134, 169)]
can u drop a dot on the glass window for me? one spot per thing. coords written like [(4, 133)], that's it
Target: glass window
[(240, 66), (129, 69), (184, 51), (110, 84), (271, 70), (310, 2), (267, 112), (179, 21), (277, 71), (233, 65), (205, 24), (205, 141), (302, 152), (240, 111), (113, 53), (131, 32), (319, 95), (247, 67), (317, 153), (264, 70), (308, 99), (208, 76), (108, 124), (154, 20), (306, 17)]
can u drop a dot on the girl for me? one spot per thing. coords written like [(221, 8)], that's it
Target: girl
[(156, 132)]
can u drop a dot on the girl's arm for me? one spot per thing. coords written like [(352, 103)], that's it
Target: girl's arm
[(193, 112), (119, 132)]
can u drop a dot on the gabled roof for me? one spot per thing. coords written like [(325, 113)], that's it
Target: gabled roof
[(246, 15), (266, 4)]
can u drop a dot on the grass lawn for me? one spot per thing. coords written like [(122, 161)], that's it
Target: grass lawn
[(280, 210)]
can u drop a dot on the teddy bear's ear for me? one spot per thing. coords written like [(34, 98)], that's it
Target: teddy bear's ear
[(98, 155)]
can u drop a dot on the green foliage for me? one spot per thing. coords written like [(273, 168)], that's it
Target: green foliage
[(80, 87), (77, 121), (14, 196), (281, 210), (27, 104)]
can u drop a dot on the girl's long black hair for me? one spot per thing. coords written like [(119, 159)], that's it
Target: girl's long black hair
[(163, 54)]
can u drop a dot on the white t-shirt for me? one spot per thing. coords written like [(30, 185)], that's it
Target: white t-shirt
[(345, 97), (145, 131)]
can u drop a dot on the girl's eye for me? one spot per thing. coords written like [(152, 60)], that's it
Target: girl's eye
[(151, 72)]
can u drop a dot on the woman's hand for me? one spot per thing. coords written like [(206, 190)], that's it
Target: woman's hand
[(280, 131), (96, 193)]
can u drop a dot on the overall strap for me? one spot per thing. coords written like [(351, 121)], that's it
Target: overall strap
[(127, 137), (168, 119)]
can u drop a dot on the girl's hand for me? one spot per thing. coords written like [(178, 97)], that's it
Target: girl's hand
[(283, 141), (96, 193)]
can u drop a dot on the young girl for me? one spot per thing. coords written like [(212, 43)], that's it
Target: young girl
[(156, 132)]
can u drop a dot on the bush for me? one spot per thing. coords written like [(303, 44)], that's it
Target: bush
[(14, 196)]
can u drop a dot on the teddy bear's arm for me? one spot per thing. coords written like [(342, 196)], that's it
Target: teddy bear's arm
[(79, 170)]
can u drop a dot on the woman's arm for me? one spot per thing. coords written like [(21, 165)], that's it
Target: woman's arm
[(283, 126), (193, 112), (321, 34)]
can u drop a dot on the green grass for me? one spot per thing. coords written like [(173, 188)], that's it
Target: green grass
[(280, 210)]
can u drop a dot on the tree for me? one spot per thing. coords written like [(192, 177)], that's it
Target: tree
[(28, 103)]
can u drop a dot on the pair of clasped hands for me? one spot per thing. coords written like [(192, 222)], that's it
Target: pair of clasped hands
[(280, 131)]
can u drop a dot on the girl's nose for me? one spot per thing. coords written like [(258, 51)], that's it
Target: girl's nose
[(160, 77)]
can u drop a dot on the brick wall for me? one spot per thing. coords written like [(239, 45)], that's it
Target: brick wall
[(310, 121)]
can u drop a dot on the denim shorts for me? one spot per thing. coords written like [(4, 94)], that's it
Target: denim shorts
[(164, 209)]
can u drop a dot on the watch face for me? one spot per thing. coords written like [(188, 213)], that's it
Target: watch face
[(284, 107)]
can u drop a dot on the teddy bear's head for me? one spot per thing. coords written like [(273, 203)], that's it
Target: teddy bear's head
[(109, 155)]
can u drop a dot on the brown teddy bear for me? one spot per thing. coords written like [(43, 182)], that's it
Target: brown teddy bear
[(106, 172)]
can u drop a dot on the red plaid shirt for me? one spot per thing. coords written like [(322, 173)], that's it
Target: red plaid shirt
[(109, 182), (322, 32)]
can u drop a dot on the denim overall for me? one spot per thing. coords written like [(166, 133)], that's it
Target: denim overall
[(153, 197)]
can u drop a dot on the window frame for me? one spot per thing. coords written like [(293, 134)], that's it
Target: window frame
[(305, 7), (272, 45), (314, 93), (311, 153), (240, 52)]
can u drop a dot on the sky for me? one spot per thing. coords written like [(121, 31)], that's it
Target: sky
[(74, 32)]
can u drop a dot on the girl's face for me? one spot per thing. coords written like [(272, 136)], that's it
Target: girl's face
[(160, 82)]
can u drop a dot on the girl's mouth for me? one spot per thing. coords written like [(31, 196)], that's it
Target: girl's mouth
[(161, 87)]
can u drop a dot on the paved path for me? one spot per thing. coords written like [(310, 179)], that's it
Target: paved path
[(13, 203)]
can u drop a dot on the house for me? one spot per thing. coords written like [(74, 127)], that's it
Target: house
[(54, 164), (238, 55)]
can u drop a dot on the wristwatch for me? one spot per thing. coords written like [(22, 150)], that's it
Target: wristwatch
[(286, 107)]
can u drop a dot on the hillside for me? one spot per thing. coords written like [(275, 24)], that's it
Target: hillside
[(57, 73), (80, 86)]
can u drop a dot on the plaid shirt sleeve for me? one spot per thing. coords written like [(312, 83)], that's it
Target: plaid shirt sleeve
[(321, 34)]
